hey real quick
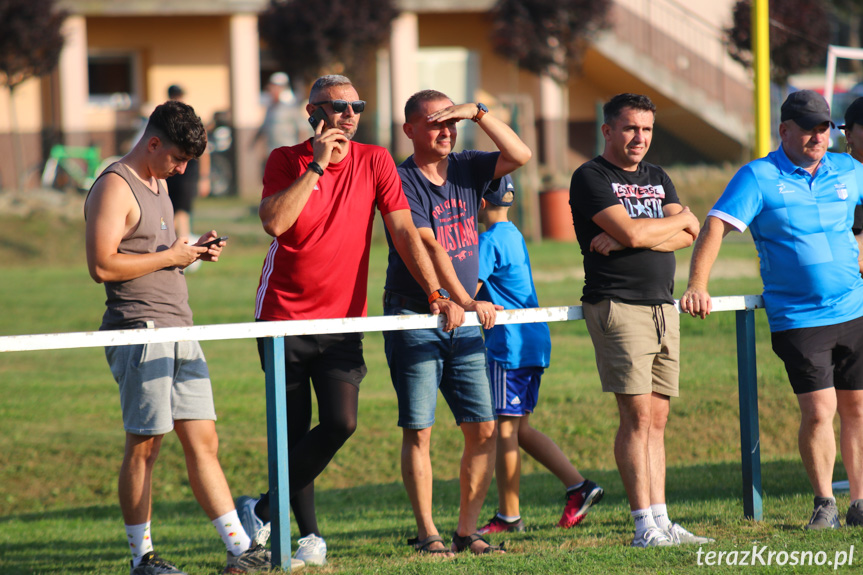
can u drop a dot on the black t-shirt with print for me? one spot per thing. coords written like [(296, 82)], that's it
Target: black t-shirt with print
[(639, 276)]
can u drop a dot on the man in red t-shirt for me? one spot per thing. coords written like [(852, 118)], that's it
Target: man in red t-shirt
[(319, 204)]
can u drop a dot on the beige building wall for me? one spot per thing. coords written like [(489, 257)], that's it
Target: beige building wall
[(499, 79), (711, 16), (194, 51), (191, 52), (27, 106), (210, 48), (20, 156), (472, 31)]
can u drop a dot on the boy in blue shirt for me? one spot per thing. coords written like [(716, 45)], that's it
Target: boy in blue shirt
[(517, 356)]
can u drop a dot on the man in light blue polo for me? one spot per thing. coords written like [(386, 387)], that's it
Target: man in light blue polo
[(798, 203)]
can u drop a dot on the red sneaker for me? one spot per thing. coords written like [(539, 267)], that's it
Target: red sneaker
[(578, 502), (498, 525)]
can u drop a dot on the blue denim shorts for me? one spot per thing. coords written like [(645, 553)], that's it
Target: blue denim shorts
[(424, 360)]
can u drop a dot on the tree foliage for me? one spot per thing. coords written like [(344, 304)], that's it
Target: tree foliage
[(799, 34), (30, 39), (308, 38), (846, 7), (547, 36)]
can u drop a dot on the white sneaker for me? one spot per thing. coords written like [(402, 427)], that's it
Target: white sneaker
[(680, 536), (312, 550), (262, 536), (652, 537)]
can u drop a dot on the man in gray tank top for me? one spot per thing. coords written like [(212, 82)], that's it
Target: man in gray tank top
[(132, 248)]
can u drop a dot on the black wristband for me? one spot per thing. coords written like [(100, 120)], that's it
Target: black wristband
[(316, 168)]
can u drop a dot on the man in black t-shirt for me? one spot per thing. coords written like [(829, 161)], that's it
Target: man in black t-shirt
[(629, 222)]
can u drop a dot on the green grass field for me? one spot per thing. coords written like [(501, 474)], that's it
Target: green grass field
[(61, 434)]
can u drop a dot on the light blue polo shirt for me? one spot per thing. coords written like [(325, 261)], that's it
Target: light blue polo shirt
[(801, 225)]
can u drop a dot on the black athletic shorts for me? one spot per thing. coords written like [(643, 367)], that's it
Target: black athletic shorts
[(822, 357), (337, 357)]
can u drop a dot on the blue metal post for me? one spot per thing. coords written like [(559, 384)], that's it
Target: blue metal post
[(750, 442), (277, 449)]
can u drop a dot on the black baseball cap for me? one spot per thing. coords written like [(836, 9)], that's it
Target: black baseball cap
[(500, 192), (854, 114), (807, 108)]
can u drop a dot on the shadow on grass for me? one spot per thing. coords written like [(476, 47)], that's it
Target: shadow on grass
[(684, 484), (375, 520), (103, 513), (91, 539)]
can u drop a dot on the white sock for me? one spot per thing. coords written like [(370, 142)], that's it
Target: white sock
[(140, 542), (643, 520), (509, 519), (576, 486), (660, 516), (232, 533)]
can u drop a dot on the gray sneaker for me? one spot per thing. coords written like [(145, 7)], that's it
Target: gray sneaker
[(825, 516), (256, 559), (152, 564), (652, 537), (854, 517), (252, 524), (680, 536)]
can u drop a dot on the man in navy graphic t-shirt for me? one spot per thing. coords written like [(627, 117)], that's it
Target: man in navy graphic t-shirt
[(444, 190)]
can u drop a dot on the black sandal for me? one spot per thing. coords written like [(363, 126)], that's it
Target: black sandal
[(462, 543), (424, 545)]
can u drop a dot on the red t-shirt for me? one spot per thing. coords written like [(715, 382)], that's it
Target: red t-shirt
[(319, 268)]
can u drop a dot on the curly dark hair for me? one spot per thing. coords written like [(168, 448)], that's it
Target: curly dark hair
[(612, 109), (412, 106), (177, 124)]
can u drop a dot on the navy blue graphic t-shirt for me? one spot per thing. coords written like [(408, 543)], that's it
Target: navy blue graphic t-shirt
[(450, 211)]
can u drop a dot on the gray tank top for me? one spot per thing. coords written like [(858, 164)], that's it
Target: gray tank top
[(160, 297)]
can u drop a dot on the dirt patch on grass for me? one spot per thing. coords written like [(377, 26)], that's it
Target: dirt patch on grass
[(42, 201)]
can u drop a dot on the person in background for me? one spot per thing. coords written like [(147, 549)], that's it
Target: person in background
[(184, 187), (517, 357), (283, 119), (853, 128)]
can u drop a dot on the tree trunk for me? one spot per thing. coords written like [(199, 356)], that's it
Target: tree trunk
[(854, 41), (18, 171)]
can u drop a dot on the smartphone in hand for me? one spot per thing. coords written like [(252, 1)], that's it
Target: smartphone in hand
[(214, 241), (317, 117)]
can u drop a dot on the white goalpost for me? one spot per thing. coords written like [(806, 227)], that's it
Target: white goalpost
[(833, 54)]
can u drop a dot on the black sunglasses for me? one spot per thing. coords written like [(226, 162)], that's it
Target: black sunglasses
[(340, 106)]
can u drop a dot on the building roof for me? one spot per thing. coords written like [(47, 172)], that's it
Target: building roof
[(214, 7)]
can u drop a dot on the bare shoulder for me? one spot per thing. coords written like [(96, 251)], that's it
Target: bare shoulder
[(109, 190), (111, 202)]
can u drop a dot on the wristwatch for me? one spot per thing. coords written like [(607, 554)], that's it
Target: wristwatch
[(438, 294), (481, 110)]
